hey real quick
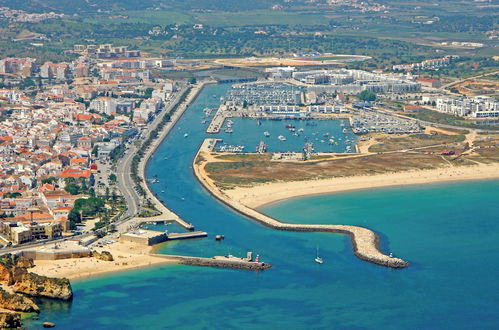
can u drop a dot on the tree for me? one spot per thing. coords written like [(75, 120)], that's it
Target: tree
[(72, 188), (367, 96), (74, 218), (49, 180), (95, 151), (12, 195), (112, 178), (148, 92), (27, 83)]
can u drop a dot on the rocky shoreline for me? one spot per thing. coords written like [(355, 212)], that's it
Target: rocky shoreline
[(19, 286)]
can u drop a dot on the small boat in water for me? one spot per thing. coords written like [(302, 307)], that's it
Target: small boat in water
[(267, 134), (186, 135), (281, 138), (318, 259)]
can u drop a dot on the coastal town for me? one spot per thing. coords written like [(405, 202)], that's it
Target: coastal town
[(76, 138), (66, 125)]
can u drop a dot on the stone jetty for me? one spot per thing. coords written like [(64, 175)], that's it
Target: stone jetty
[(365, 241), (220, 262)]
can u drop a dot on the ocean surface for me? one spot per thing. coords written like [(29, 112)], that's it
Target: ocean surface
[(448, 232)]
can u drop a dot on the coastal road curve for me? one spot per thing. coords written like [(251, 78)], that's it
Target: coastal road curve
[(124, 180)]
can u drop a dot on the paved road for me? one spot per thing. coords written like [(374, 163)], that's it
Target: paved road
[(124, 180), (469, 78)]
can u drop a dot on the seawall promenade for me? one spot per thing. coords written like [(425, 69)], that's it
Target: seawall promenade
[(167, 214), (365, 241)]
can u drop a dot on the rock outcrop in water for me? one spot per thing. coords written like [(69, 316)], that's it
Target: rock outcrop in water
[(10, 320), (41, 286), (17, 302), (14, 276)]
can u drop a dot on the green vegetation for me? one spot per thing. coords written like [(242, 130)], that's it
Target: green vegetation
[(12, 195), (85, 207), (393, 143), (49, 180), (367, 96), (448, 119), (143, 147), (27, 83), (77, 186), (112, 178), (399, 35), (228, 175)]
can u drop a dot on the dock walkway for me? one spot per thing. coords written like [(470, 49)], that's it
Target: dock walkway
[(217, 122)]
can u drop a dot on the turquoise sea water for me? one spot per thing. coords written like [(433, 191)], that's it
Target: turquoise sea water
[(448, 232)]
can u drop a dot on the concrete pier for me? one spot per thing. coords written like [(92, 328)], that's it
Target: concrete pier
[(209, 144), (194, 234), (365, 241), (217, 122), (217, 262)]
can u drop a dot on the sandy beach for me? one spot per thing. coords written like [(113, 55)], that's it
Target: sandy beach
[(126, 256), (260, 195)]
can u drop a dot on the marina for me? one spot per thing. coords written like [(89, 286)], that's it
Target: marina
[(437, 244), (287, 135)]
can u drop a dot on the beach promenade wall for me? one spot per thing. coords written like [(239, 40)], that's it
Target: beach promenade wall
[(56, 255), (365, 241)]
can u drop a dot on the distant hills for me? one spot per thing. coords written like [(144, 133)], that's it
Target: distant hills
[(89, 6)]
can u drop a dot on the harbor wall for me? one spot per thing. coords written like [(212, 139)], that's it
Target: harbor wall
[(219, 263), (167, 213), (365, 241)]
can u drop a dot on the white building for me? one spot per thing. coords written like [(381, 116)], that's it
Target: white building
[(106, 105)]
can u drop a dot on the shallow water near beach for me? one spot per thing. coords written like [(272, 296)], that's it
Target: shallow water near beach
[(448, 232)]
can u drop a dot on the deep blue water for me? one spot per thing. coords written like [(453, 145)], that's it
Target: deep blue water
[(448, 232)]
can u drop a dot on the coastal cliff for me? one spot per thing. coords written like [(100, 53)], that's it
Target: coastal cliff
[(13, 267), (17, 302), (10, 320), (17, 284), (41, 286)]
